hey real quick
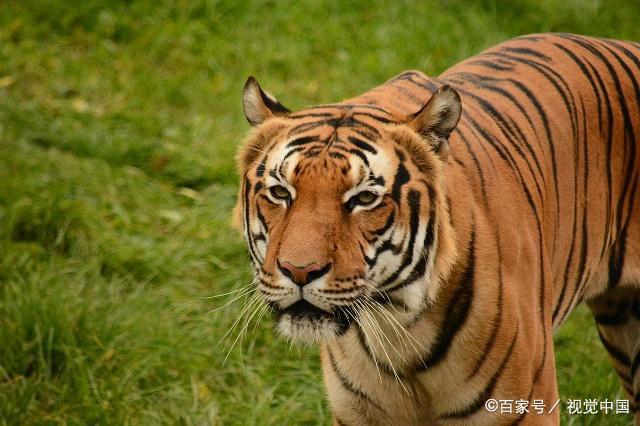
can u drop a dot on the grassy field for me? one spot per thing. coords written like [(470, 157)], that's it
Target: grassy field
[(118, 125)]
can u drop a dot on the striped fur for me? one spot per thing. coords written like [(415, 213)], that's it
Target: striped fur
[(481, 238)]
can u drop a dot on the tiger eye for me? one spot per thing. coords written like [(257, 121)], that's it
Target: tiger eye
[(366, 198), (279, 192)]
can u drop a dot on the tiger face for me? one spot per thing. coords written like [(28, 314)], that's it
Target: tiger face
[(342, 209)]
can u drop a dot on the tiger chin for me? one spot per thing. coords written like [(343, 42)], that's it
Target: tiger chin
[(432, 233)]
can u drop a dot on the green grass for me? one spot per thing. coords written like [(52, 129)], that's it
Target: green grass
[(118, 125)]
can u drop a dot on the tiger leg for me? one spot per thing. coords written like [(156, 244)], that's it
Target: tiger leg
[(617, 314)]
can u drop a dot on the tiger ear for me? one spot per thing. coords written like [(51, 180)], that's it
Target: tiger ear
[(259, 105), (437, 119)]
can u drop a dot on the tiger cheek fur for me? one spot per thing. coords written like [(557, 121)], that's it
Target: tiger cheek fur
[(431, 234)]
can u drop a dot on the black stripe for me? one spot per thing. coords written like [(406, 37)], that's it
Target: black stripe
[(362, 144), (587, 74), (563, 90), (635, 307), (291, 152), (261, 166), (584, 247), (413, 199), (368, 106), (456, 313), (492, 65), (247, 190), (510, 129), (416, 79), (585, 161), (353, 151), (387, 224), (421, 266), (488, 389), (374, 116), (624, 376), (634, 366), (630, 139), (372, 136), (615, 352), (627, 125), (304, 127), (481, 81), (612, 319), (386, 245), (542, 289), (262, 220), (527, 51), (343, 107), (476, 162), (416, 273), (608, 219), (557, 81), (381, 365), (498, 319), (304, 114), (353, 122), (401, 178), (408, 93), (574, 225), (348, 384), (302, 141)]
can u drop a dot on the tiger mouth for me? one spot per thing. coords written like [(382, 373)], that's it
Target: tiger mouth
[(304, 310), (305, 314)]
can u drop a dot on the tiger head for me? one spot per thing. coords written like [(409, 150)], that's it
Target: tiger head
[(343, 209)]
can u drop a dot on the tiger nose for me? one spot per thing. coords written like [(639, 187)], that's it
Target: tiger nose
[(303, 275)]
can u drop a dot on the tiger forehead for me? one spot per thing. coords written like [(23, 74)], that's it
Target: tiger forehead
[(346, 141), (337, 133), (325, 121), (351, 158), (316, 166)]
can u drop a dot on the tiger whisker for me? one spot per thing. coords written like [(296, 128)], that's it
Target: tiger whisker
[(256, 149), (389, 316), (243, 291), (382, 346), (410, 340), (227, 293), (384, 314), (359, 320), (252, 300), (266, 309), (396, 325), (374, 285), (241, 335), (364, 303), (253, 304), (257, 308), (233, 300)]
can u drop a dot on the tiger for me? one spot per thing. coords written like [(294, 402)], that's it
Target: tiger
[(431, 234)]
